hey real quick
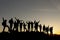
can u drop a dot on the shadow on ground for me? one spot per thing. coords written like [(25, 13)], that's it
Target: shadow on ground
[(27, 36)]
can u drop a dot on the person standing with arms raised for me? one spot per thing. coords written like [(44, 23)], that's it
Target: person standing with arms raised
[(29, 23), (36, 25), (11, 23), (4, 24)]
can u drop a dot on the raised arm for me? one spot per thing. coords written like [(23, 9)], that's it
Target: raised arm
[(3, 18)]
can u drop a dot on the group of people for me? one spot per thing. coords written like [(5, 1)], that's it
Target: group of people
[(20, 23)]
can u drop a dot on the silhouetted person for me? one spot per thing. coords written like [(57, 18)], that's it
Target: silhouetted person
[(11, 23), (28, 25), (40, 26), (18, 22), (36, 25), (24, 25), (4, 23), (43, 28), (51, 30), (47, 29), (32, 26), (15, 26), (21, 25)]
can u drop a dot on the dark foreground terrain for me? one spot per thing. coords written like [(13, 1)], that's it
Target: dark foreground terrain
[(28, 36)]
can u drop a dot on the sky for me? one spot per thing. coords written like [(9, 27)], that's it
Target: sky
[(47, 11)]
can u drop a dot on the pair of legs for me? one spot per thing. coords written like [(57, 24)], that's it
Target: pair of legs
[(5, 27)]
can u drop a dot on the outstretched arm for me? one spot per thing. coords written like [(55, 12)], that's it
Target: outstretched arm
[(15, 18)]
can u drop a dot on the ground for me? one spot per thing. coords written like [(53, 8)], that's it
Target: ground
[(28, 36)]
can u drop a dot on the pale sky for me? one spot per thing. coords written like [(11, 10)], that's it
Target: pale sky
[(47, 11)]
